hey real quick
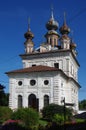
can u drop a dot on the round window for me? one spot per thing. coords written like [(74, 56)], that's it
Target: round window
[(20, 83), (32, 82), (46, 82)]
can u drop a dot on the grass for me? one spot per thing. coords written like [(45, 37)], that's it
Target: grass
[(43, 122), (80, 120)]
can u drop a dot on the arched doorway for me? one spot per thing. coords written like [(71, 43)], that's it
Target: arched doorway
[(33, 101), (19, 101)]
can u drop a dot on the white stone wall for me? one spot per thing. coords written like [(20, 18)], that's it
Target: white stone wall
[(58, 88), (66, 63), (39, 89)]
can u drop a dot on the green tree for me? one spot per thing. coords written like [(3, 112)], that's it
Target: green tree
[(3, 96), (82, 104), (28, 116), (5, 114)]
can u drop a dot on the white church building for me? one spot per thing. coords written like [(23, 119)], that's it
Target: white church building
[(49, 73)]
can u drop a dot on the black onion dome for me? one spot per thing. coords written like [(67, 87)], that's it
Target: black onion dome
[(29, 35), (64, 29), (52, 24)]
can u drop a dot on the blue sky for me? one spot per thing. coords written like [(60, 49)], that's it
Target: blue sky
[(14, 23)]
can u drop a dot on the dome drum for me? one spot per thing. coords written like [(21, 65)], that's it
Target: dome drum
[(51, 32)]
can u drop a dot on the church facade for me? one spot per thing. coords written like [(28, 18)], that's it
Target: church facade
[(49, 73)]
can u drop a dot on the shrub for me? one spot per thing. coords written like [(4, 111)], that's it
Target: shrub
[(28, 116), (59, 119), (49, 111)]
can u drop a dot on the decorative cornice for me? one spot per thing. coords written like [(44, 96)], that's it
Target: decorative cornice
[(41, 54), (41, 68)]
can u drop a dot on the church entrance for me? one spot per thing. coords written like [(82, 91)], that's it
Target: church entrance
[(33, 101)]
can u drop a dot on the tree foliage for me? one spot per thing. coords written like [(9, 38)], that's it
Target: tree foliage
[(82, 104), (3, 96), (5, 114)]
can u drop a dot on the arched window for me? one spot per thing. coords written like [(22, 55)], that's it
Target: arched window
[(19, 101), (46, 100)]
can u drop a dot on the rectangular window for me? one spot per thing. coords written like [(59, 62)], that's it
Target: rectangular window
[(34, 65), (54, 41), (56, 65)]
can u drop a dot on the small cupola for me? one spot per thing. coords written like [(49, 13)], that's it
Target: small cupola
[(65, 30), (52, 35), (52, 24), (29, 45)]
